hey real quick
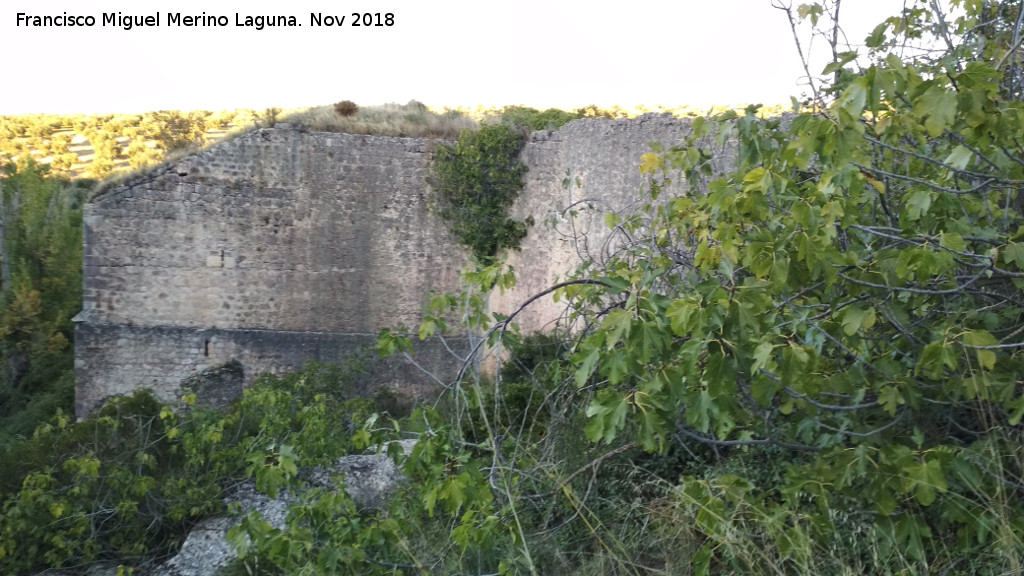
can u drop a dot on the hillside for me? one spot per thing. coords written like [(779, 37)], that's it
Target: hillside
[(79, 146), (98, 146)]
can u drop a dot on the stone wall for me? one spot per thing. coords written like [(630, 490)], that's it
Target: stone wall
[(576, 176), (277, 230), (115, 359), (283, 246)]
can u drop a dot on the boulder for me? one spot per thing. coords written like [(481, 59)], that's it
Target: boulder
[(371, 480)]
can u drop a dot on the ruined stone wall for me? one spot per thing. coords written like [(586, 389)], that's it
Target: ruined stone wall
[(285, 245), (115, 359), (280, 230), (576, 176)]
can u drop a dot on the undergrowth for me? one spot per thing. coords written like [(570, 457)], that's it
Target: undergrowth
[(127, 484)]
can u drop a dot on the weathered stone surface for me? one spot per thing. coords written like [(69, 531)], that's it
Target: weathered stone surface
[(217, 386), (284, 245), (576, 176), (206, 550), (113, 359), (371, 480)]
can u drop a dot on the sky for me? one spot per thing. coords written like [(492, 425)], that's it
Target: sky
[(541, 53)]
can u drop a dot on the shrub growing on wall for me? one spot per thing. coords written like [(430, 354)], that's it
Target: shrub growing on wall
[(550, 119), (475, 181), (346, 108)]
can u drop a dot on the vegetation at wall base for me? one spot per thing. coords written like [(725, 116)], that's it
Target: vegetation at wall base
[(125, 485)]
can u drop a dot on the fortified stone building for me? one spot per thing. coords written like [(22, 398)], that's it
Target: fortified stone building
[(284, 246)]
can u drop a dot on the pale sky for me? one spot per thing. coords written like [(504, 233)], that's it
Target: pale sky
[(529, 52)]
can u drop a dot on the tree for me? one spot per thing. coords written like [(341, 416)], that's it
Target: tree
[(40, 290), (852, 292), (846, 300)]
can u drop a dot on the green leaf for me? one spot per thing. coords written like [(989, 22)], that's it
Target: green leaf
[(952, 241), (587, 365), (877, 37), (960, 157), (857, 317), (686, 317), (937, 106), (649, 163), (615, 365), (890, 398), (980, 75), (702, 559), (934, 358), (842, 59), (812, 11), (918, 202), (763, 389), (700, 410), (1014, 253), (912, 532), (986, 358), (615, 285), (616, 325), (647, 339), (607, 414), (853, 100), (798, 365), (925, 478), (239, 540), (427, 329), (762, 356), (389, 342), (1016, 410)]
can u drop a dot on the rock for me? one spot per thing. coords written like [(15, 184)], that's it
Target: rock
[(369, 479), (204, 552)]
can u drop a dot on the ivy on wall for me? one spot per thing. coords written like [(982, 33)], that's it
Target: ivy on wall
[(474, 182)]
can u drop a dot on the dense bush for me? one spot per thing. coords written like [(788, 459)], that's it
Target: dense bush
[(126, 484), (850, 294), (550, 119), (345, 108)]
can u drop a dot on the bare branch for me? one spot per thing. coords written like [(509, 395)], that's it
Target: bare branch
[(867, 434), (957, 290), (715, 442), (931, 185)]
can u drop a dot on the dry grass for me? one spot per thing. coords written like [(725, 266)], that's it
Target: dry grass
[(484, 113), (412, 120)]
